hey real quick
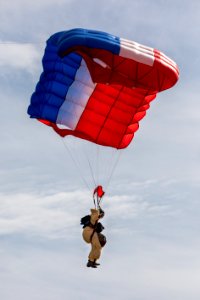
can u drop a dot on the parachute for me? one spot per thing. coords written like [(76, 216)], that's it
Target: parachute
[(97, 87)]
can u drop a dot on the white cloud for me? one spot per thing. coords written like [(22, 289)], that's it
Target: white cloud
[(18, 56), (48, 216), (57, 214)]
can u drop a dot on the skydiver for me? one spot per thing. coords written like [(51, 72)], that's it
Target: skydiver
[(92, 229)]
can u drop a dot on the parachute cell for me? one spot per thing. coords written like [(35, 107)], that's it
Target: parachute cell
[(98, 86)]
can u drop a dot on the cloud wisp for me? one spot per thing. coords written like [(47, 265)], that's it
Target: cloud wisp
[(56, 214), (17, 56)]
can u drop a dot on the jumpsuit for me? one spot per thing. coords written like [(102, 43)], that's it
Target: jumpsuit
[(96, 247)]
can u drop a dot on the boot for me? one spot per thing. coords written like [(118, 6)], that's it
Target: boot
[(91, 264), (97, 264)]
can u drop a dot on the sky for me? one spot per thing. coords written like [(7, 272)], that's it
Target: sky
[(152, 203)]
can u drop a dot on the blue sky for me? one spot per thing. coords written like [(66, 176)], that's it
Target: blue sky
[(152, 206)]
